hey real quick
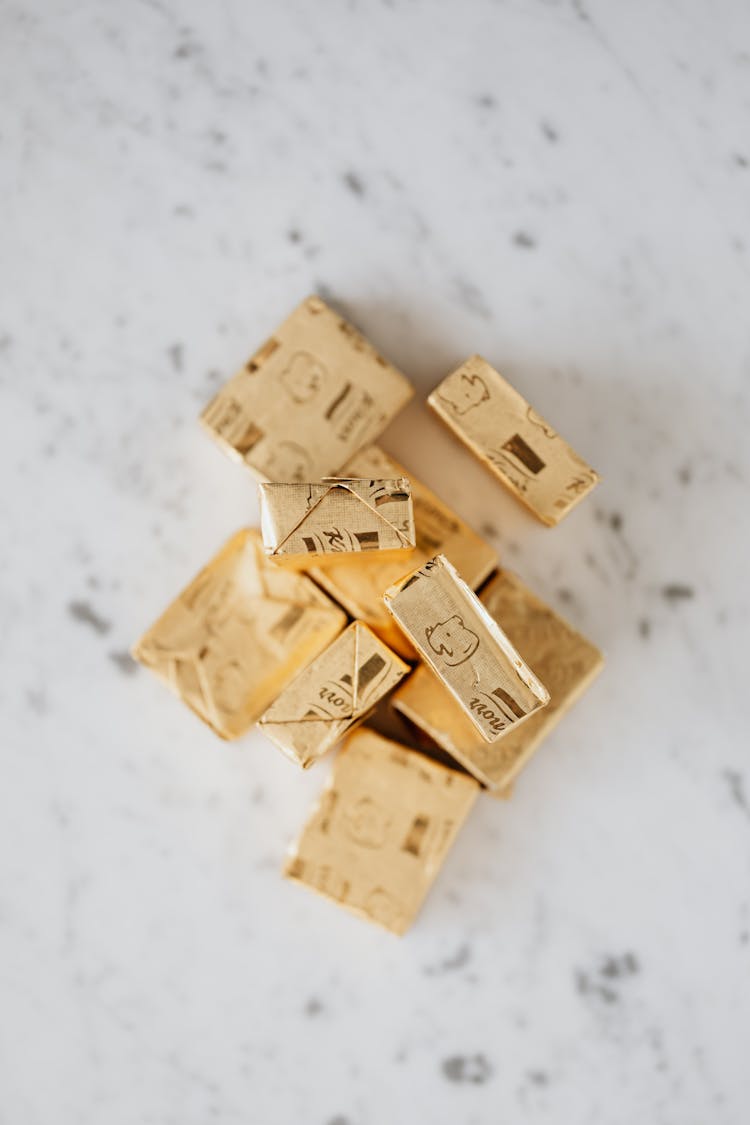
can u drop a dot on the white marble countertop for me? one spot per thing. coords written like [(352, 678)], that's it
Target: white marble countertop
[(564, 187)]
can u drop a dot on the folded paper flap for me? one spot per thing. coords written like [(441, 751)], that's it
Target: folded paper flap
[(341, 683), (344, 503)]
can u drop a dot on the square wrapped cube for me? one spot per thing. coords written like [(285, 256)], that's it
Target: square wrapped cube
[(369, 519), (466, 648), (338, 690), (511, 440), (381, 829), (565, 660), (238, 634), (312, 395), (438, 529)]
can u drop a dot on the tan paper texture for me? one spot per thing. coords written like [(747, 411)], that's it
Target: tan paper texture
[(511, 440), (335, 692), (381, 830), (236, 636), (438, 529), (466, 648), (337, 516), (565, 660), (312, 395)]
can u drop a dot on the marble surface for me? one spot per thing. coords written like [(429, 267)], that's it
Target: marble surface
[(564, 187)]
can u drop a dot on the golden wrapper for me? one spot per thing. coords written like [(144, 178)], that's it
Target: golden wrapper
[(466, 648), (381, 830), (438, 529), (238, 634), (565, 660), (511, 440), (336, 691), (307, 400), (337, 516)]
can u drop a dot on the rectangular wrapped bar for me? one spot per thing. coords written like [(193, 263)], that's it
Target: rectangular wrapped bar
[(511, 440), (381, 830), (312, 395), (564, 659), (338, 690), (438, 529), (338, 516), (236, 636), (466, 648)]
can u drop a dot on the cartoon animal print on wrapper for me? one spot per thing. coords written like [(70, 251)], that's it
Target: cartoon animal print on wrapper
[(452, 641), (303, 377), (470, 391)]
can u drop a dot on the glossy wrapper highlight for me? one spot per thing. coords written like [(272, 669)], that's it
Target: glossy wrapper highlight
[(511, 440), (438, 529), (236, 636), (336, 691), (564, 659), (381, 830), (312, 395), (466, 648), (338, 516)]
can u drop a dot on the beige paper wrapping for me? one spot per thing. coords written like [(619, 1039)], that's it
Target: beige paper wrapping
[(360, 588), (565, 660), (334, 693), (312, 395), (466, 648), (381, 830), (338, 516), (233, 639), (511, 440)]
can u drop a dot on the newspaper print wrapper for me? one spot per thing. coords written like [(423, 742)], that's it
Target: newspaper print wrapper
[(338, 690), (359, 589), (466, 648), (511, 440), (312, 395), (381, 829), (338, 516), (235, 637), (565, 660)]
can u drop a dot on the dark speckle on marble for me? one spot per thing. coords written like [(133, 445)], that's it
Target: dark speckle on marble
[(524, 240), (85, 614), (452, 963), (314, 1007), (472, 1070), (566, 596), (339, 1119), (736, 783), (625, 965), (487, 101), (37, 701), (550, 132), (538, 1077), (488, 530), (740, 160), (354, 183), (615, 521), (644, 628), (176, 355), (603, 983), (470, 297), (294, 235), (124, 662), (685, 475), (675, 592)]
